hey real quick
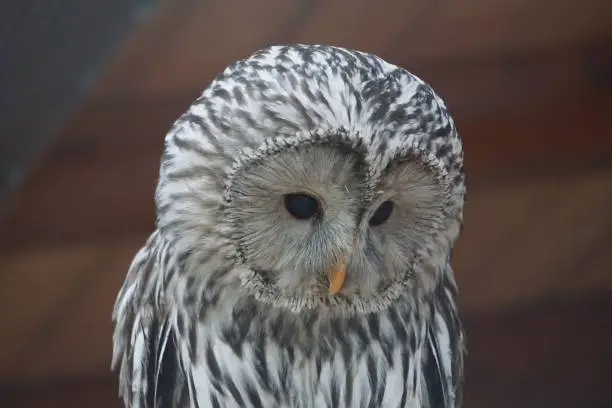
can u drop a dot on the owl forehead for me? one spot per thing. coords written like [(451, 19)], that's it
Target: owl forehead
[(284, 96), (340, 139), (286, 90)]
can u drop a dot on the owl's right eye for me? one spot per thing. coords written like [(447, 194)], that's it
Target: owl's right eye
[(301, 206)]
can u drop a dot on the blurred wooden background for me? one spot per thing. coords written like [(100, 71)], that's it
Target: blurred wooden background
[(530, 85)]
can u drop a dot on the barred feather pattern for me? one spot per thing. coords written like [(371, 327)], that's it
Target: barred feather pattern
[(240, 353), (195, 326)]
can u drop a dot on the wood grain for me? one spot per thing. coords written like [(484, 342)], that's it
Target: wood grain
[(56, 307), (534, 240), (555, 354), (191, 42)]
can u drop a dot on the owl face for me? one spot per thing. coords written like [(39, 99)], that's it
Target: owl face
[(305, 224), (312, 176)]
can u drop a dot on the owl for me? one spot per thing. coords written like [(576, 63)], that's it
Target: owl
[(307, 205)]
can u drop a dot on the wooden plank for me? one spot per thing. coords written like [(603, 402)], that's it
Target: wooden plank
[(58, 303), (473, 87), (139, 50), (451, 30), (191, 42), (554, 355), (527, 241), (98, 180), (34, 285), (82, 323), (553, 140), (92, 392), (391, 20), (476, 87)]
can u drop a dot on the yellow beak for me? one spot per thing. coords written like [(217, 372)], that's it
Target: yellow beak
[(337, 276)]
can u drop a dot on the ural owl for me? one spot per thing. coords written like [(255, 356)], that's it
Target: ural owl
[(307, 206)]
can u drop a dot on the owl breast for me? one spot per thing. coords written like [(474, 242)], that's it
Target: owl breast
[(352, 368)]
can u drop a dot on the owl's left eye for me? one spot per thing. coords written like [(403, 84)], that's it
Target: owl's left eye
[(382, 214), (301, 206)]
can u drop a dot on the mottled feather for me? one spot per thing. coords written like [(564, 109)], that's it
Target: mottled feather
[(224, 306)]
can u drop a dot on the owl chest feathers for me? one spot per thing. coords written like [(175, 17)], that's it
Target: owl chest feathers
[(287, 361)]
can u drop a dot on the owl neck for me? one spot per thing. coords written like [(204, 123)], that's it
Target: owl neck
[(238, 317)]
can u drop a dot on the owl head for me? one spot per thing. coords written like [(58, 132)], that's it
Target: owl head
[(315, 175)]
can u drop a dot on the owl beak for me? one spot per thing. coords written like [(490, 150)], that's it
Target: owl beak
[(337, 276)]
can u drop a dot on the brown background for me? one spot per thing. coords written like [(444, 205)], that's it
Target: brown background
[(530, 85)]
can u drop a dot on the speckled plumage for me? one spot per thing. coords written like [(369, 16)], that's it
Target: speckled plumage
[(214, 314)]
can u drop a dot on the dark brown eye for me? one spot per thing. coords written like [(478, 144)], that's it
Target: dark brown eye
[(301, 206), (382, 214)]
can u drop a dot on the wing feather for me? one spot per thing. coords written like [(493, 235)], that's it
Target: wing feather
[(444, 359), (144, 350)]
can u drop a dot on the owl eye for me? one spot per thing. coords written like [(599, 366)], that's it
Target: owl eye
[(301, 206), (382, 214)]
